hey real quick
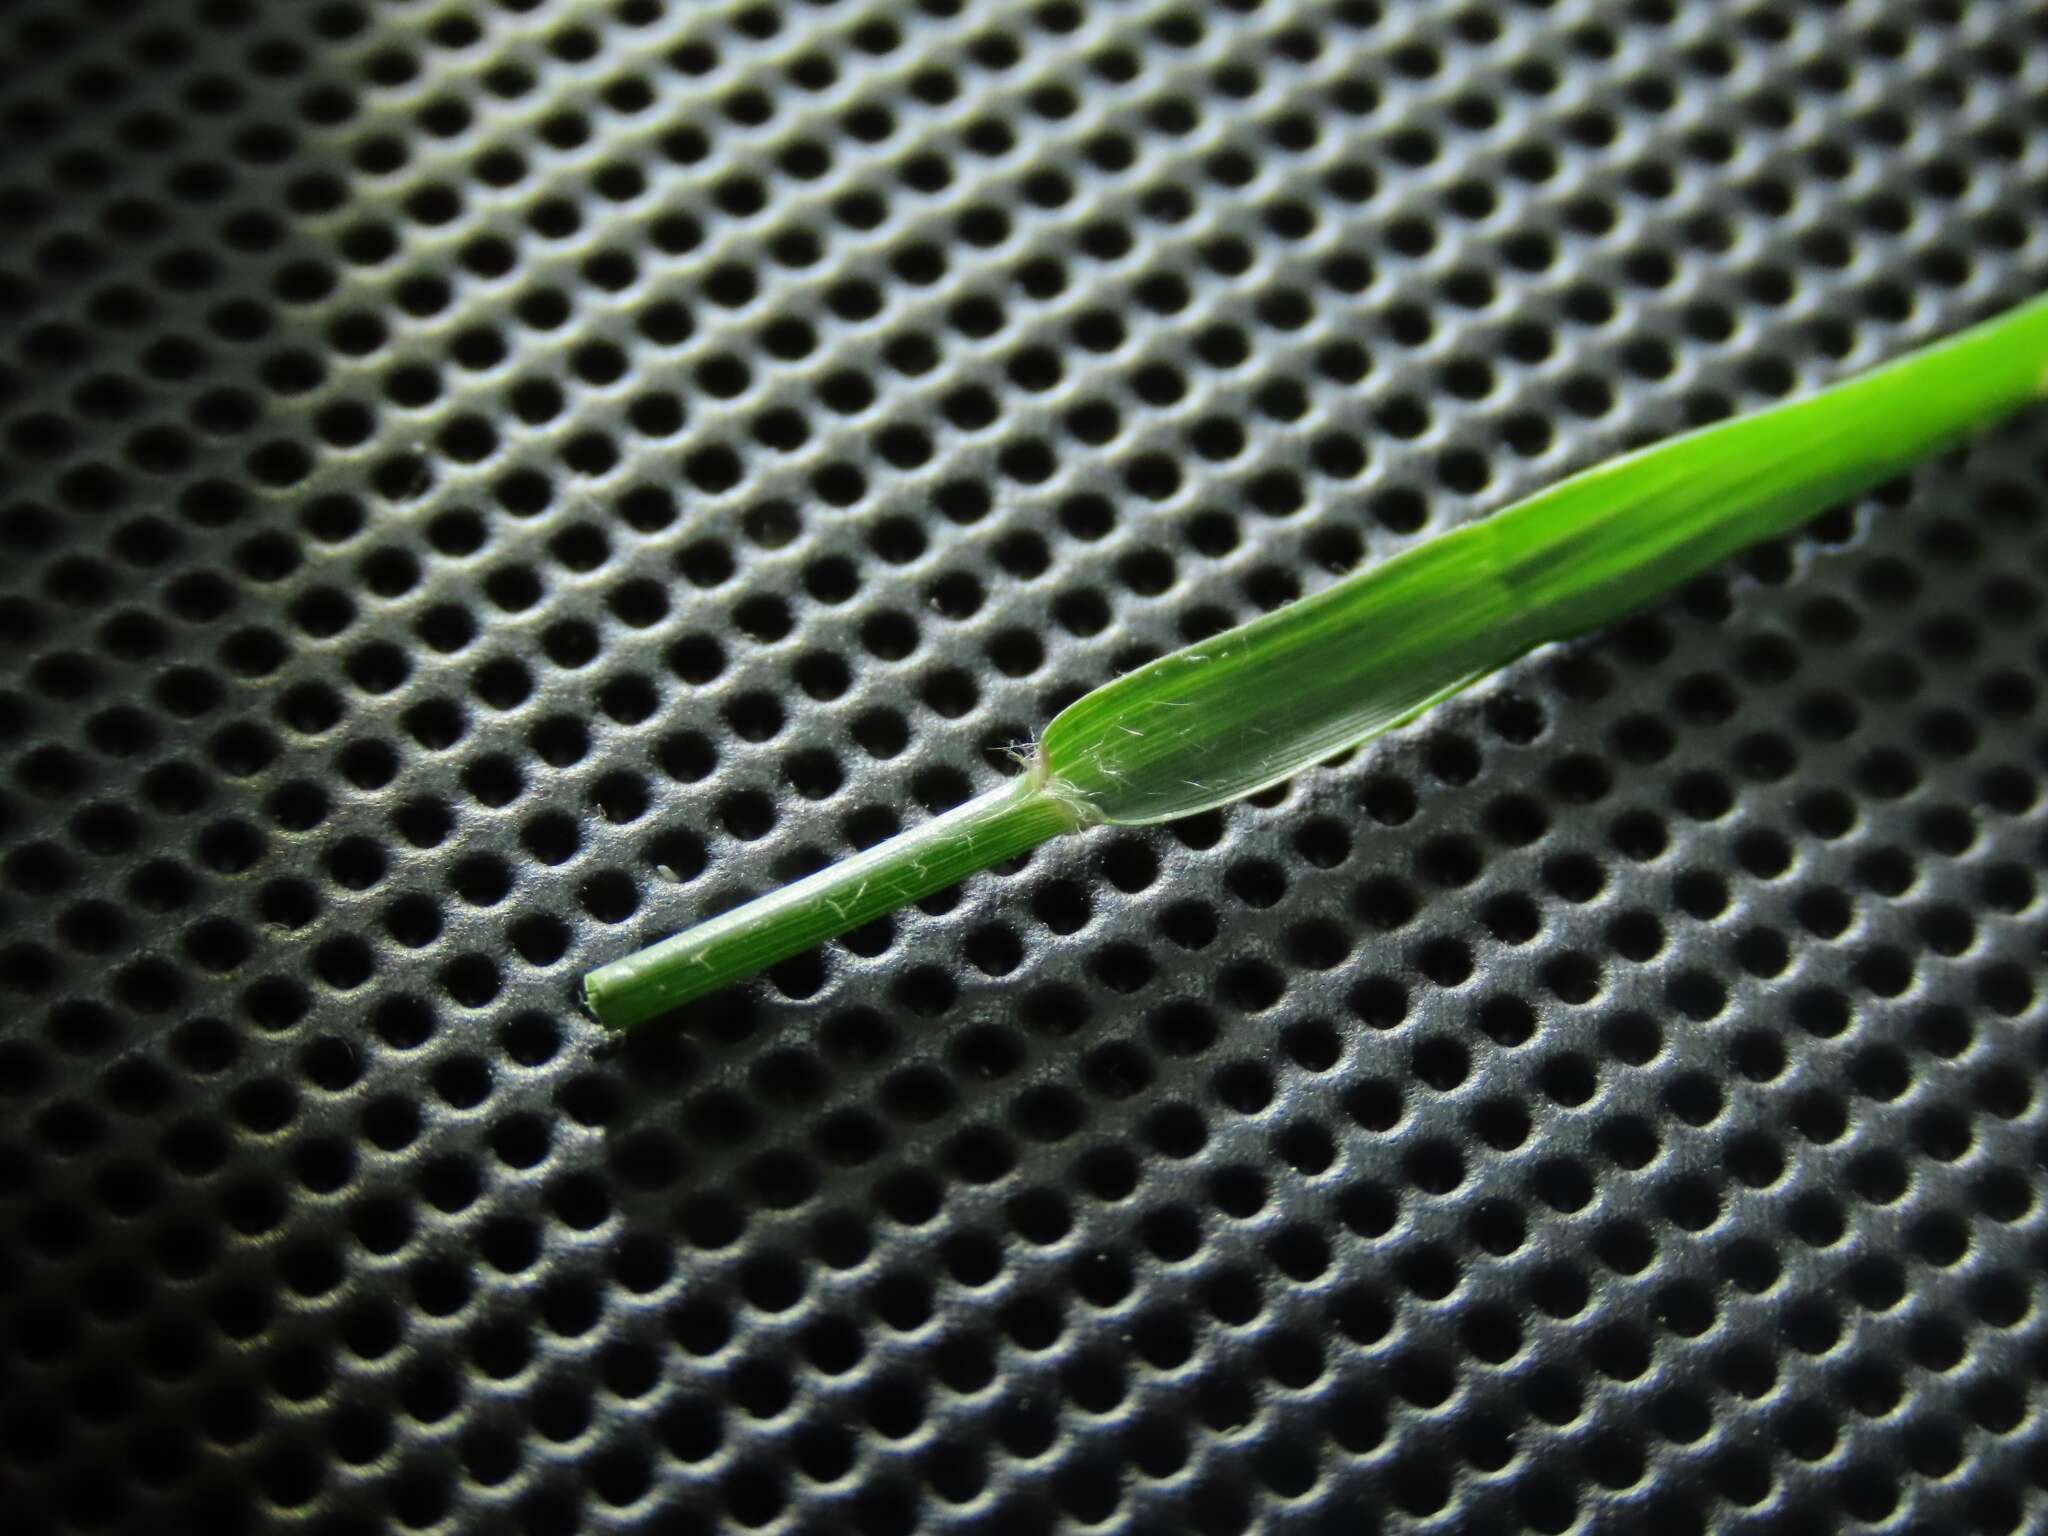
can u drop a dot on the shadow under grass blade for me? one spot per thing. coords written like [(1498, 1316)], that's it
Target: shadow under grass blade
[(1234, 714)]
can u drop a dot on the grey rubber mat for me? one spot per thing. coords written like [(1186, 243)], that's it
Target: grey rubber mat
[(487, 483)]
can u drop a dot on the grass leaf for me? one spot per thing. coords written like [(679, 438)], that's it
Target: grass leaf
[(1252, 706)]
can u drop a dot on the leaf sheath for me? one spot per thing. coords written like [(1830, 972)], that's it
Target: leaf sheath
[(992, 827)]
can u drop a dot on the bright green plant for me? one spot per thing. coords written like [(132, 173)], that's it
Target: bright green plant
[(1234, 714)]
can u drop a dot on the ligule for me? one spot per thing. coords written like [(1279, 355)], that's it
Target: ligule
[(1241, 711)]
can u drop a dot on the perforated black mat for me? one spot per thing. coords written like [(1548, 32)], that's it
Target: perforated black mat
[(485, 483)]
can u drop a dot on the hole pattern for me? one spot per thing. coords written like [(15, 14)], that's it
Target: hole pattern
[(488, 483)]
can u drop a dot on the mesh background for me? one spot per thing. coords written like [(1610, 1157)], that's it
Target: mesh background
[(484, 483)]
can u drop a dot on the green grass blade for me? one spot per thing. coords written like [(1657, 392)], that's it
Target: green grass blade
[(1257, 704)]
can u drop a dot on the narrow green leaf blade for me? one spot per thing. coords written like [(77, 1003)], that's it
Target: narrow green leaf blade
[(1257, 704)]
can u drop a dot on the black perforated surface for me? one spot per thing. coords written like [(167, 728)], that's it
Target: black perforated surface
[(465, 461)]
